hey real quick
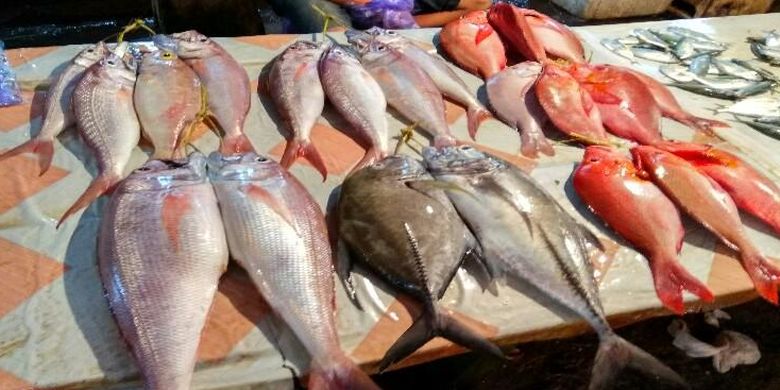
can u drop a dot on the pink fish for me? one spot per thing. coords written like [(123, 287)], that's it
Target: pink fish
[(516, 32), (705, 201), (473, 44), (557, 39), (615, 191)]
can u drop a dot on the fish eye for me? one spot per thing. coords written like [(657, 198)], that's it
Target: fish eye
[(261, 159), (381, 48), (110, 62), (90, 50), (391, 32), (593, 159), (144, 169), (466, 148), (167, 55), (204, 39)]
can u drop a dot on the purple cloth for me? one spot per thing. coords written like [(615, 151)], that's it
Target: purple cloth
[(390, 14)]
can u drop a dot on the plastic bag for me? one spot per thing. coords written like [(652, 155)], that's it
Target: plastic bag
[(390, 14), (9, 89)]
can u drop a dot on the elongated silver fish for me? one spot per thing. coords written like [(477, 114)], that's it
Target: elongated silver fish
[(409, 90), (668, 37), (161, 252), (511, 94), (276, 232), (700, 65), (736, 70), (57, 109), (226, 82), (684, 49), (686, 32), (526, 235), (615, 46), (106, 118), (299, 99), (754, 107), (358, 98), (648, 37), (766, 53), (448, 82), (654, 55)]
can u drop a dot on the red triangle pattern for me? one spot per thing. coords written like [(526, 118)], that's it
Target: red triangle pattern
[(24, 273), (339, 152), (15, 116), (24, 180), (17, 57), (10, 382)]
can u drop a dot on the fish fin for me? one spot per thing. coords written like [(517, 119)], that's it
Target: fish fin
[(173, 209), (671, 279), (425, 186), (615, 354), (372, 155), (261, 194), (477, 266), (296, 148), (531, 143), (236, 145), (705, 125), (344, 272), (764, 274), (340, 373), (99, 186), (43, 148), (444, 140), (483, 31), (475, 116)]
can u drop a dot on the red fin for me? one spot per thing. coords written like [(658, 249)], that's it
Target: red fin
[(444, 140), (599, 93), (99, 186), (372, 155), (483, 32), (671, 279), (705, 125), (340, 374), (298, 148), (475, 116), (261, 194), (764, 274), (236, 145), (43, 148), (174, 207)]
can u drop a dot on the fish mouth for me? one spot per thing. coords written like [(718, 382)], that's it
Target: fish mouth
[(458, 159), (241, 167)]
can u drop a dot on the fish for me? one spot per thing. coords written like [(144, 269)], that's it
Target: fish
[(684, 49), (569, 107), (666, 36), (618, 48), (700, 65), (627, 107), (57, 108), (416, 248), (754, 107), (514, 29), (704, 47), (672, 109), (167, 99), (473, 44), (751, 191), (613, 189), (276, 231), (706, 202), (654, 55), (446, 80), (768, 119), (557, 39), (161, 252), (768, 129), (686, 32), (299, 99), (766, 53), (749, 89), (409, 90), (526, 235), (767, 75), (736, 70), (648, 37), (629, 40), (677, 73), (226, 83), (770, 39), (358, 98), (106, 119), (512, 96)]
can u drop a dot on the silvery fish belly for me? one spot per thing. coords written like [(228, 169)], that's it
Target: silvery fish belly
[(276, 231), (162, 250)]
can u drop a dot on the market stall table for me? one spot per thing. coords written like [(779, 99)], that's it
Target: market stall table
[(55, 326)]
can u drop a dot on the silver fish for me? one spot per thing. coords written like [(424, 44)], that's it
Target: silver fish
[(628, 40), (724, 82), (750, 90), (754, 107), (667, 36), (684, 49), (161, 252), (409, 90), (767, 75), (276, 232), (765, 53), (106, 118), (526, 235), (654, 55), (768, 129), (647, 37), (700, 65), (686, 32), (707, 46), (775, 119), (448, 82), (615, 46), (770, 39), (677, 73), (731, 68), (57, 109)]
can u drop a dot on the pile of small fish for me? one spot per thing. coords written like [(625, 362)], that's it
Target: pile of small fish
[(466, 205), (760, 112), (706, 183), (556, 84), (767, 47), (691, 61)]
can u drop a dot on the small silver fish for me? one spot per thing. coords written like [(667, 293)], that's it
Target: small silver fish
[(752, 66), (768, 129), (700, 65), (628, 40), (714, 47), (754, 107), (733, 69), (685, 32), (677, 73), (647, 37), (724, 82), (667, 36), (774, 120), (654, 55), (765, 53), (615, 46), (684, 49), (770, 39)]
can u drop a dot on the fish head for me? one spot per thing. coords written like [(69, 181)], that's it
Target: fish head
[(160, 175), (397, 166), (302, 49), (163, 58), (341, 54), (605, 161), (652, 159), (91, 54), (163, 41), (358, 39), (461, 159), (376, 50), (192, 44), (118, 68), (243, 167)]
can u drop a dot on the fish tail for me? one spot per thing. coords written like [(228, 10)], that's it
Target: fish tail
[(372, 155), (533, 142), (340, 373), (44, 148), (236, 144), (99, 186), (764, 274), (615, 354), (703, 125), (444, 140), (435, 323), (475, 115), (297, 148), (671, 279)]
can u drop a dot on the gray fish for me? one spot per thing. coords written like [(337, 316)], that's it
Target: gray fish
[(684, 49), (667, 36), (615, 46), (774, 120), (700, 65), (685, 32), (161, 253), (765, 53), (654, 55), (724, 82), (768, 129), (526, 235), (677, 73), (416, 248), (276, 231), (750, 90), (767, 75), (731, 68), (647, 37), (57, 109)]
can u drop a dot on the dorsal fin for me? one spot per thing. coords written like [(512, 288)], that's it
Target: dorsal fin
[(422, 274)]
